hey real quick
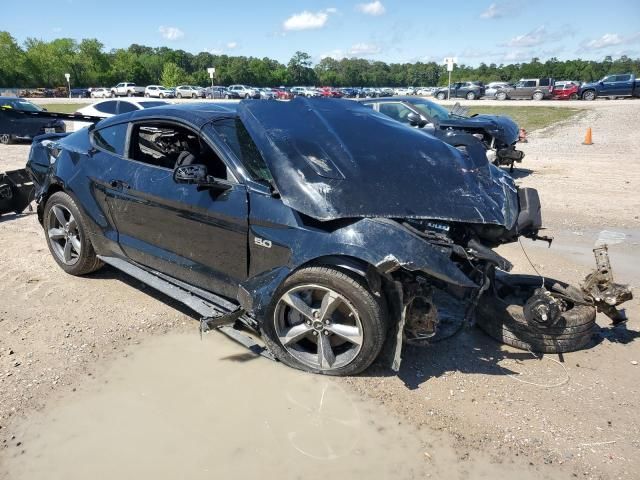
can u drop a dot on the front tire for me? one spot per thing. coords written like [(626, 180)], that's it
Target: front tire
[(501, 96), (501, 316), (323, 320), (67, 236), (589, 95), (471, 96), (537, 96)]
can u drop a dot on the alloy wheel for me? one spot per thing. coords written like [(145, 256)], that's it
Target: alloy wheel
[(64, 235), (5, 139), (318, 327)]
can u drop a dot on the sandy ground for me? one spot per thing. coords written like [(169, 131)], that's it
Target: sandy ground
[(577, 413)]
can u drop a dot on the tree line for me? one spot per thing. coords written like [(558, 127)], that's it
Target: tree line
[(38, 63)]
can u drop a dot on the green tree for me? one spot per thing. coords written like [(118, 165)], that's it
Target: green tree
[(299, 69), (172, 75)]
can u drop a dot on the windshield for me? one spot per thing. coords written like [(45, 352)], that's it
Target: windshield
[(430, 109), (20, 104), (236, 136)]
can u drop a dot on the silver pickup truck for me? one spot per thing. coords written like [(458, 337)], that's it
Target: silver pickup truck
[(127, 89)]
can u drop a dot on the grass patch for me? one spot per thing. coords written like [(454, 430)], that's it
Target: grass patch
[(530, 118), (63, 107)]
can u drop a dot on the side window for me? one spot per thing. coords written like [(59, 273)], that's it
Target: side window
[(111, 139), (237, 138), (108, 107), (530, 83), (126, 107), (623, 78), (544, 82), (397, 111), (167, 145)]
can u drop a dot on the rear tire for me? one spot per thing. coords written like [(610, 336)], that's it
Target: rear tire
[(441, 96), (501, 96), (471, 96), (6, 139), (501, 316), (537, 96), (64, 224), (356, 312)]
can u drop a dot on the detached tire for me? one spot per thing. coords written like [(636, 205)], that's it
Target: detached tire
[(324, 320), (501, 316), (67, 236)]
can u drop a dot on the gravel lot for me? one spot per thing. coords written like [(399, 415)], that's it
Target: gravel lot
[(577, 412)]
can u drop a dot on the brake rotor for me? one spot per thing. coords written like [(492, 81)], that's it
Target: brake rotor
[(542, 308)]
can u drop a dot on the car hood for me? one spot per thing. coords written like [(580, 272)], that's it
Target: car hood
[(334, 158), (502, 128)]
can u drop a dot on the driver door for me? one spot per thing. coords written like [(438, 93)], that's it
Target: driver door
[(196, 235)]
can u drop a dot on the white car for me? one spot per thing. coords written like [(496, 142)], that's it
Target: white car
[(100, 93), (243, 91), (425, 91), (492, 88), (305, 92), (158, 91), (189, 91), (405, 91), (109, 108)]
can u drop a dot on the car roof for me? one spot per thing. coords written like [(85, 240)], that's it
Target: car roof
[(194, 113), (398, 98)]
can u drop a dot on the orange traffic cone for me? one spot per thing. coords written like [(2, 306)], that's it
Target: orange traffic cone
[(587, 138)]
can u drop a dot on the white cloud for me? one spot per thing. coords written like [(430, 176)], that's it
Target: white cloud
[(607, 40), (494, 11), (308, 20), (364, 49), (232, 45), (531, 39), (374, 8), (171, 33)]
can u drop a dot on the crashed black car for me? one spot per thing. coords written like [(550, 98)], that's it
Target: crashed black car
[(495, 134), (30, 126), (321, 224)]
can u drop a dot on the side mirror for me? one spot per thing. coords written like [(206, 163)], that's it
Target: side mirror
[(197, 175), (416, 120)]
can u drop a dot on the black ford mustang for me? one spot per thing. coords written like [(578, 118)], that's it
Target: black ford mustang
[(320, 224)]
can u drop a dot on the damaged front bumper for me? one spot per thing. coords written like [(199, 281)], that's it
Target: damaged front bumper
[(16, 191)]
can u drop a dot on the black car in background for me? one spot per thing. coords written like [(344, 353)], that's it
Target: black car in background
[(468, 90), (301, 220), (495, 134), (219, 92), (30, 126)]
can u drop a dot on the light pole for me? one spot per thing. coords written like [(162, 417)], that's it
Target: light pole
[(212, 72), (68, 77)]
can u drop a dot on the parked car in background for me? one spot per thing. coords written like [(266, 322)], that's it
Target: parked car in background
[(243, 91), (266, 93), (566, 91), (109, 108), (80, 93), (189, 91), (330, 92), (100, 92), (492, 88), (404, 91), (305, 92), (283, 93), (35, 126), (618, 85), (127, 89), (158, 91), (495, 135), (528, 88), (468, 90), (425, 91), (218, 92), (351, 92)]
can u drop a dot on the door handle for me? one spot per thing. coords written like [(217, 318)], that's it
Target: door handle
[(119, 184)]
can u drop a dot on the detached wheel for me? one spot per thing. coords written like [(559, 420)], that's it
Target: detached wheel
[(325, 321), (67, 236), (500, 314)]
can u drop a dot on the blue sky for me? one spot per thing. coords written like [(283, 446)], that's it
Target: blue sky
[(474, 31)]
